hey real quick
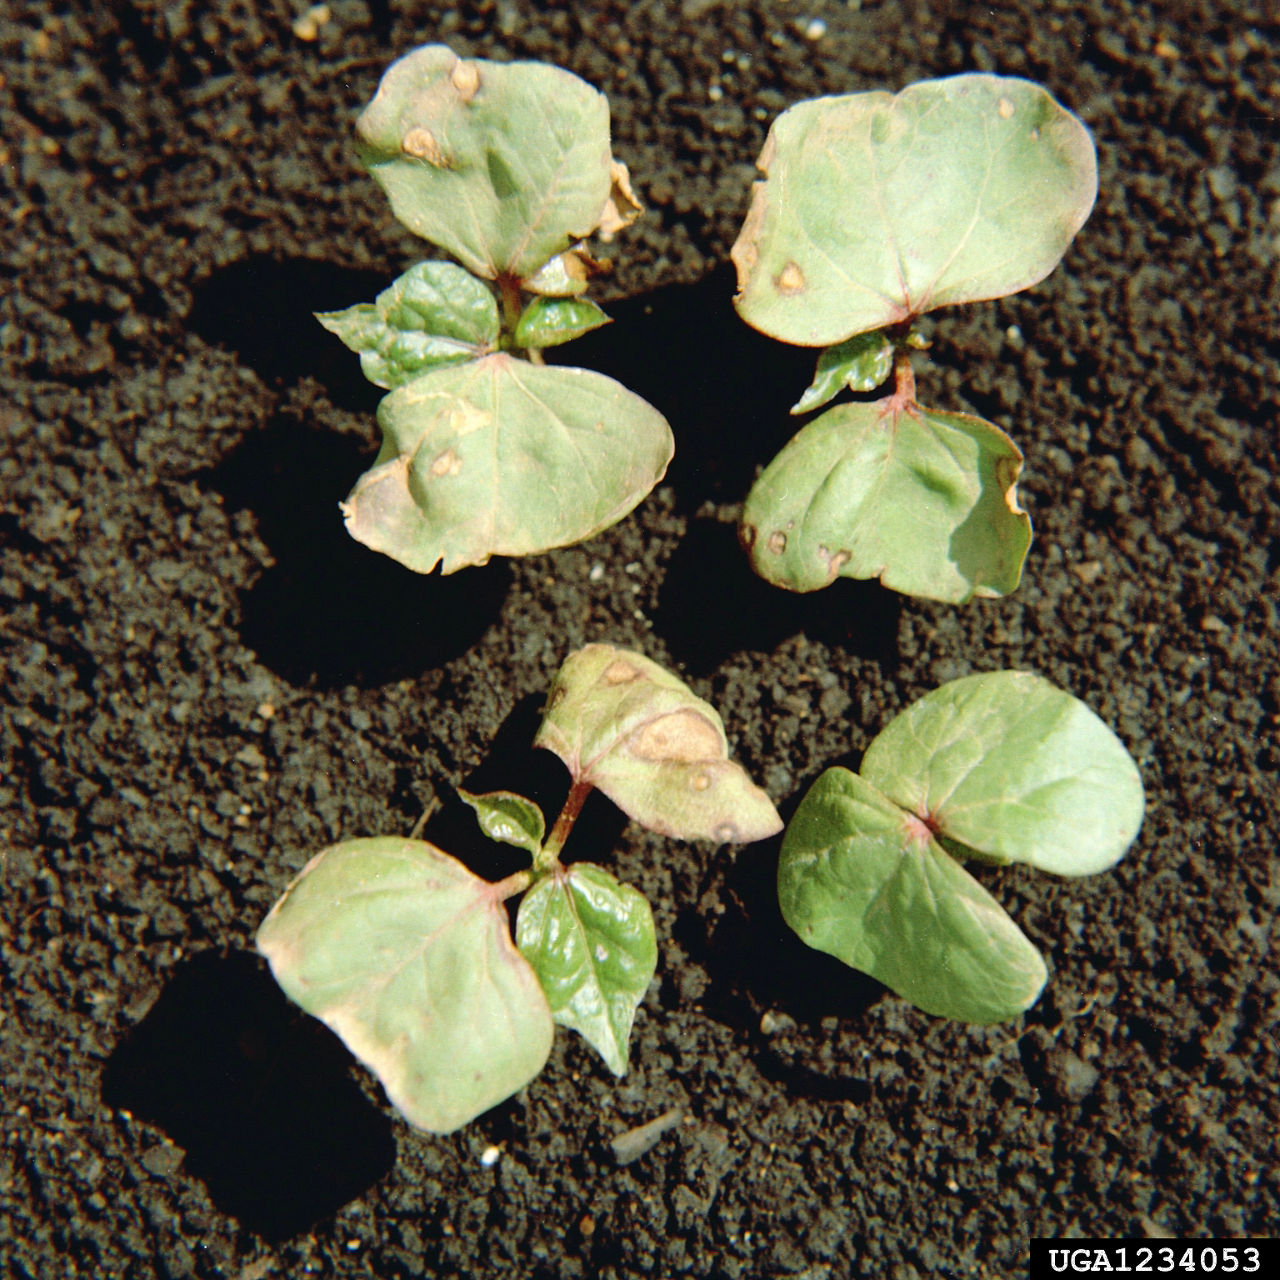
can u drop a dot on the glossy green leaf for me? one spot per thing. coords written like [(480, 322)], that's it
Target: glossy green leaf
[(503, 457), (591, 942), (547, 322), (623, 724), (861, 363), (877, 208), (435, 314), (863, 881), (508, 818), (1013, 768), (924, 501), (407, 956), (503, 165)]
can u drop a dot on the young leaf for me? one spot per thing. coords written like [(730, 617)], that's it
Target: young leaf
[(591, 942), (860, 363), (861, 880), (565, 275), (435, 314), (406, 955), (547, 322), (504, 457), (503, 165), (876, 208), (509, 818), (925, 501), (623, 724), (1013, 768)]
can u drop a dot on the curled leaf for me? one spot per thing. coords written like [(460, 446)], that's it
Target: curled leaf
[(876, 208), (547, 322), (623, 724), (503, 165), (435, 314), (591, 942), (924, 501), (508, 818), (861, 880), (407, 956), (1015, 769), (861, 363), (503, 457)]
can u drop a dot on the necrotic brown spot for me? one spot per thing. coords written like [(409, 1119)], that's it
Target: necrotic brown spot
[(790, 279), (685, 736), (620, 672)]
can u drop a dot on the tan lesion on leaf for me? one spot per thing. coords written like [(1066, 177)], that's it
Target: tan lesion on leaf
[(465, 417), (465, 78), (622, 208), (620, 672), (790, 280), (1007, 472), (447, 464), (684, 736), (421, 144)]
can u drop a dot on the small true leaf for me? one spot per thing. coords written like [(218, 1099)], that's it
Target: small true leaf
[(1013, 768), (877, 208), (504, 457), (435, 314), (924, 501), (591, 942), (503, 165), (508, 817), (565, 275), (863, 881), (547, 322), (860, 363), (407, 956), (623, 724)]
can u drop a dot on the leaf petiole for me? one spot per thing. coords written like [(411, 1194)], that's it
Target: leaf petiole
[(548, 856)]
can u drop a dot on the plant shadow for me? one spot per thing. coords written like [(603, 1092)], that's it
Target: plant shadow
[(258, 1096), (512, 763), (725, 389), (262, 308), (329, 611), (757, 965), (712, 605)]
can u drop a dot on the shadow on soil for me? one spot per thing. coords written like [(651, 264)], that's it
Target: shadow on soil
[(725, 389), (757, 965), (712, 605), (329, 611), (263, 309), (512, 763), (258, 1096)]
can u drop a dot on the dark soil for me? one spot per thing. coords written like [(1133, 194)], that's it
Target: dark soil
[(205, 681)]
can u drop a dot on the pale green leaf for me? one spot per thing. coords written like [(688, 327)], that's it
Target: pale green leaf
[(1014, 768), (860, 363), (508, 817), (564, 275), (626, 726), (877, 208), (503, 165), (860, 880), (407, 956), (924, 501), (503, 457), (591, 942), (435, 314), (547, 322)]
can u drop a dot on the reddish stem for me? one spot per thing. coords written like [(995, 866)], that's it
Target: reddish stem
[(577, 796)]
